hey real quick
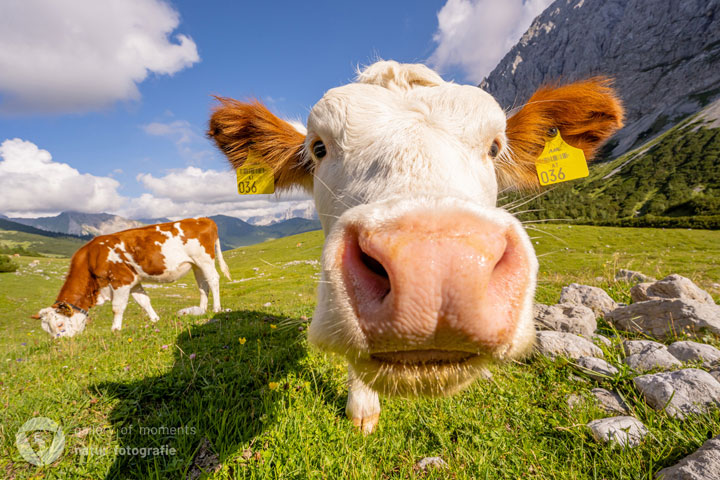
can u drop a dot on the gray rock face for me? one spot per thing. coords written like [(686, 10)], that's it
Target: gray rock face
[(632, 276), (661, 318), (652, 359), (552, 344), (631, 347), (625, 431), (692, 351), (594, 298), (662, 54), (609, 401), (430, 463), (598, 339), (576, 319), (596, 368), (703, 464), (673, 286), (687, 391)]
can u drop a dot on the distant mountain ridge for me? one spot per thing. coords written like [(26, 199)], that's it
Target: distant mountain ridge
[(663, 55), (233, 232)]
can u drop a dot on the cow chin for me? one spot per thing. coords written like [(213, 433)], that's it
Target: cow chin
[(58, 325), (395, 377)]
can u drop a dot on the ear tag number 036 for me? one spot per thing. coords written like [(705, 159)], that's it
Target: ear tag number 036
[(560, 162), (255, 176)]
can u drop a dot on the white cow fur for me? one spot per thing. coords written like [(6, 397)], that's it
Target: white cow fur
[(394, 146)]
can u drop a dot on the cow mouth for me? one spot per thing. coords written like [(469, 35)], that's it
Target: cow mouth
[(423, 357)]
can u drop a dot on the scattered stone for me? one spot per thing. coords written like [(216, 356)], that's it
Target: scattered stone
[(596, 368), (688, 351), (703, 464), (680, 393), (632, 347), (552, 344), (677, 286), (638, 292), (625, 431), (428, 463), (663, 318), (652, 358), (205, 461), (715, 373), (574, 400), (609, 401), (597, 338), (631, 276), (594, 298), (577, 319)]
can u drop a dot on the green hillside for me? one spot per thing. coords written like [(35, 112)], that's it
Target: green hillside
[(673, 182), (16, 238), (270, 406)]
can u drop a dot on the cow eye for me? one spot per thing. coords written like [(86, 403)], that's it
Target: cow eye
[(318, 149), (494, 149)]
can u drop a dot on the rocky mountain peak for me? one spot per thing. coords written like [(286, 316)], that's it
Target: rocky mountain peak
[(664, 56)]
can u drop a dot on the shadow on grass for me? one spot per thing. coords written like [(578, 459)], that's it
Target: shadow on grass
[(219, 389)]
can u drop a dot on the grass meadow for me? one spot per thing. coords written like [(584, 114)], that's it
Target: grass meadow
[(246, 383)]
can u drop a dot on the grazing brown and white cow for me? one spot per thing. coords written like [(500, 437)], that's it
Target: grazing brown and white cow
[(424, 278), (112, 267)]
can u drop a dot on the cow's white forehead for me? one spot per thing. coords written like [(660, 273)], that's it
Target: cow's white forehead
[(359, 112)]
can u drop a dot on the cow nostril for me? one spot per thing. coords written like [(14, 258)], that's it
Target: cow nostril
[(368, 278), (374, 266)]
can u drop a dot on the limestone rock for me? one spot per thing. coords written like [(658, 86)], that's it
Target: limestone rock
[(639, 43), (631, 347), (576, 319), (687, 391), (430, 462), (596, 368), (609, 401), (592, 297), (625, 431), (638, 292), (688, 351), (644, 355), (552, 344), (703, 464), (661, 318), (672, 286), (598, 339), (631, 276)]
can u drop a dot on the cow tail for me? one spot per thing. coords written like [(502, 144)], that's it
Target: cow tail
[(221, 260)]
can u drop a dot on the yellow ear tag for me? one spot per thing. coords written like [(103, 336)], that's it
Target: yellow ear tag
[(255, 176), (560, 162)]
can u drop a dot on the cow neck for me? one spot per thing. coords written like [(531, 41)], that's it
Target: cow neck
[(80, 287)]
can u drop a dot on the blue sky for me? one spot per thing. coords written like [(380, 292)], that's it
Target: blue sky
[(104, 103)]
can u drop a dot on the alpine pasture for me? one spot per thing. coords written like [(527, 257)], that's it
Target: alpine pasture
[(239, 394)]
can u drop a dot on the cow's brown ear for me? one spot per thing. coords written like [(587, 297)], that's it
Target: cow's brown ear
[(586, 113), (35, 317), (238, 127)]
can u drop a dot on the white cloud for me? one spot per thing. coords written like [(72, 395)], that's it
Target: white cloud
[(193, 191), (476, 34), (32, 184), (80, 55), (189, 143)]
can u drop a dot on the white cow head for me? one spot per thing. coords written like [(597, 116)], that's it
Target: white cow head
[(61, 320), (424, 278)]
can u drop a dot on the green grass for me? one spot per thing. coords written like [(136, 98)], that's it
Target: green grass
[(283, 403), (58, 247)]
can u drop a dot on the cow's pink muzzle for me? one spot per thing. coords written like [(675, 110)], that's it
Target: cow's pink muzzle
[(436, 286)]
